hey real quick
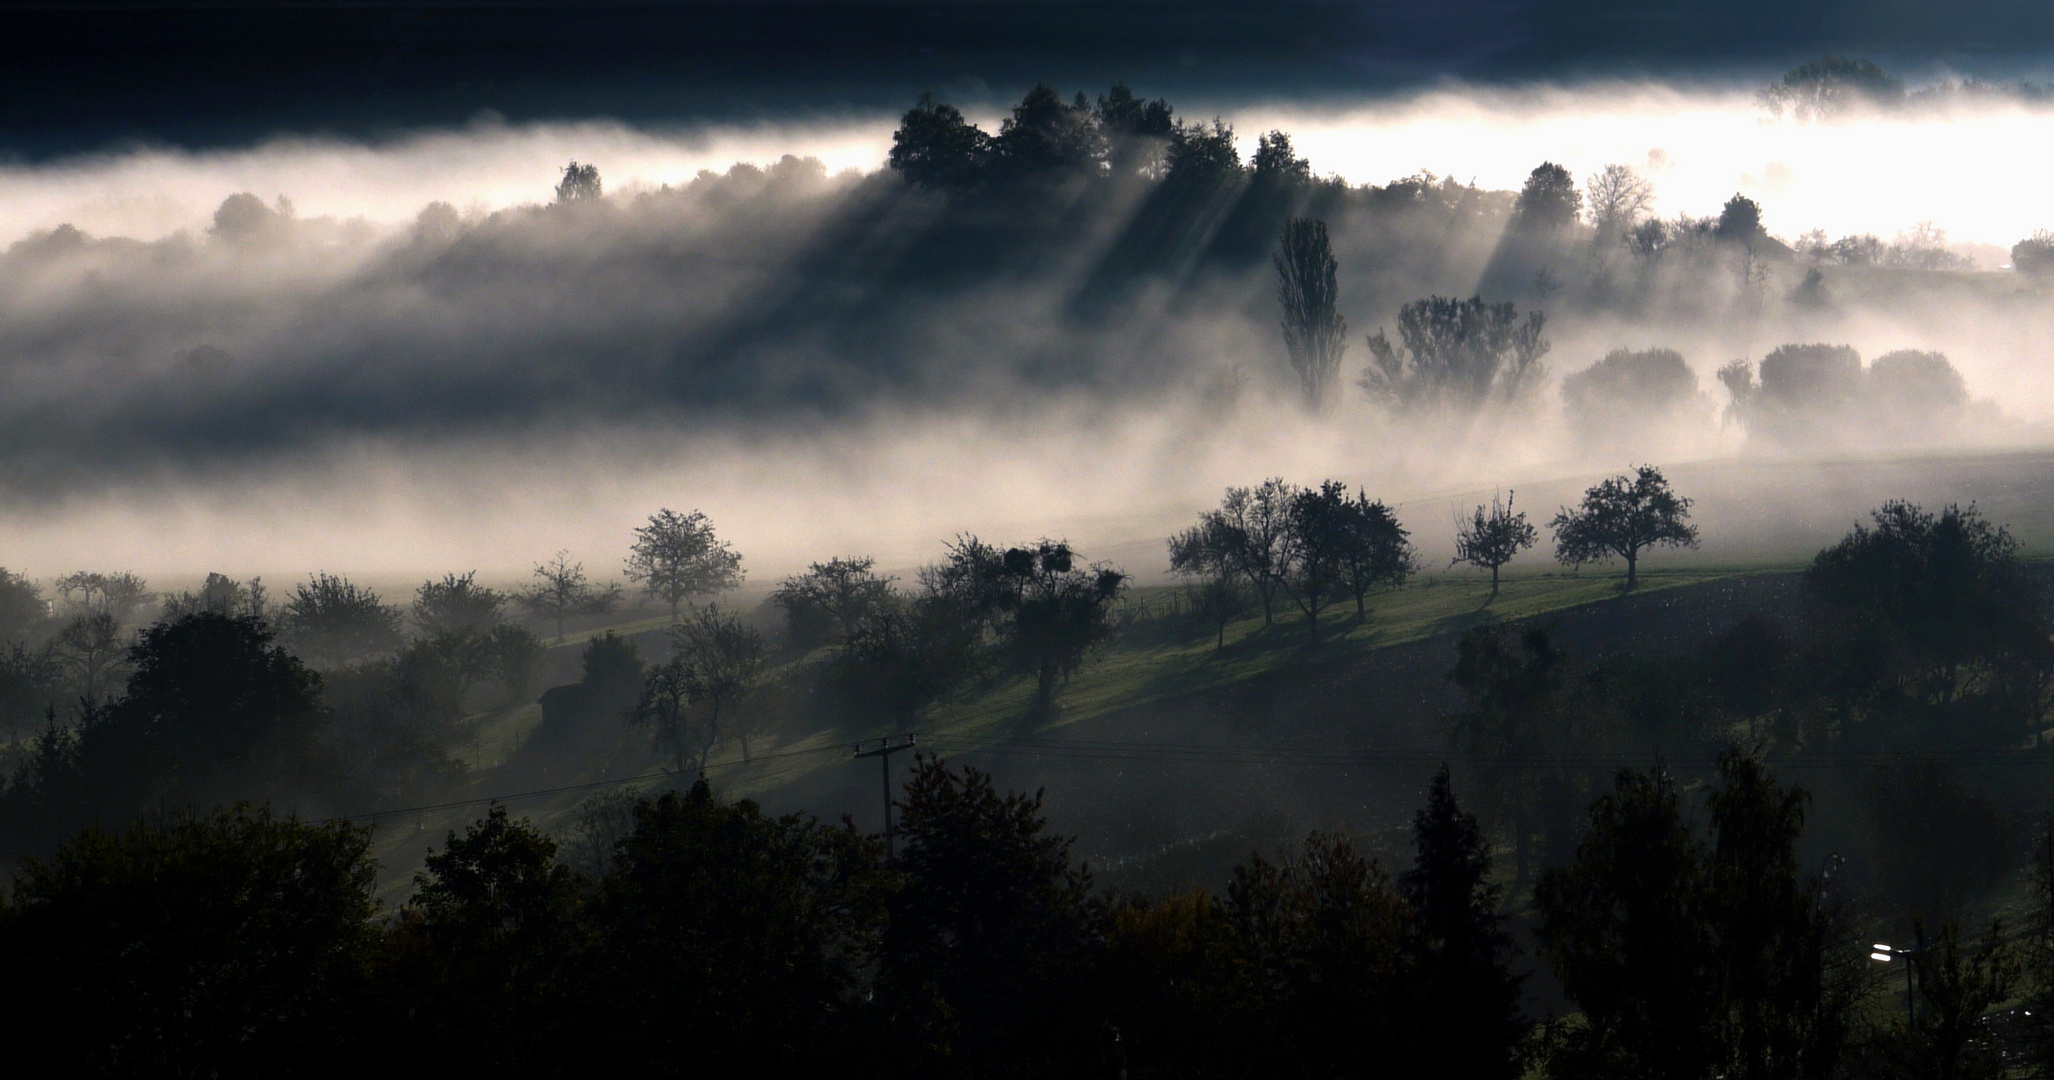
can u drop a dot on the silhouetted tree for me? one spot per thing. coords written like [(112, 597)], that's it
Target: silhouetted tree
[(1803, 389), (1775, 935), (1958, 985), (1908, 394), (989, 933), (1456, 354), (1616, 198), (1315, 334), (1492, 537), (905, 655), (484, 952), (609, 685), (1939, 842), (1830, 86), (457, 602), (726, 659), (1549, 200), (562, 591), (1247, 535), (1378, 553), (1648, 241), (1516, 710), (332, 621), (1740, 221), (830, 597), (219, 945), (1940, 599), (1316, 548), (666, 708), (1137, 132), (31, 686), (1626, 931), (1044, 134), (1200, 155), (1049, 611), (243, 219), (1329, 943), (119, 595), (1205, 551), (22, 608), (677, 557), (1631, 391), (579, 182), (91, 647), (1464, 1012), (2034, 255), (213, 712), (1623, 516), (1249, 532), (730, 941), (1276, 164), (935, 147), (220, 595)]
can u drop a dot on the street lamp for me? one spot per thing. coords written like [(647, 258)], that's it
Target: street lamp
[(1886, 954)]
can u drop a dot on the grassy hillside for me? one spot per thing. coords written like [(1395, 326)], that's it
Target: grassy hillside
[(1163, 660)]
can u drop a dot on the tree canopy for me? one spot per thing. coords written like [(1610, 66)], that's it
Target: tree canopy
[(1622, 516), (1456, 355), (677, 557)]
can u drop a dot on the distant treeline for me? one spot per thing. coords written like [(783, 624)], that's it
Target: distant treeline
[(1103, 243)]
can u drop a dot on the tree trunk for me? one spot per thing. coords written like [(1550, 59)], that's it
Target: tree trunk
[(1632, 570), (1045, 690), (1494, 581)]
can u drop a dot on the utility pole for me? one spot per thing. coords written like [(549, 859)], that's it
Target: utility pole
[(883, 751)]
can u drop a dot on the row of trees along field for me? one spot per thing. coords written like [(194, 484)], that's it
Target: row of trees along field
[(368, 717), (715, 938), (1915, 678)]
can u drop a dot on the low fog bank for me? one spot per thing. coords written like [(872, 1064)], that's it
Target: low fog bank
[(896, 488), (838, 361)]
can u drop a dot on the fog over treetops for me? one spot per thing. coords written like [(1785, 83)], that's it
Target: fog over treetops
[(390, 356)]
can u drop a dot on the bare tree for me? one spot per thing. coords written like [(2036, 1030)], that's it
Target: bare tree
[(1315, 334), (1491, 537), (726, 658), (1246, 536), (91, 647), (666, 706), (118, 594), (677, 557), (563, 592), (1616, 198)]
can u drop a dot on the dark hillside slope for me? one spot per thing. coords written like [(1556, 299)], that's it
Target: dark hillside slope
[(1347, 742)]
